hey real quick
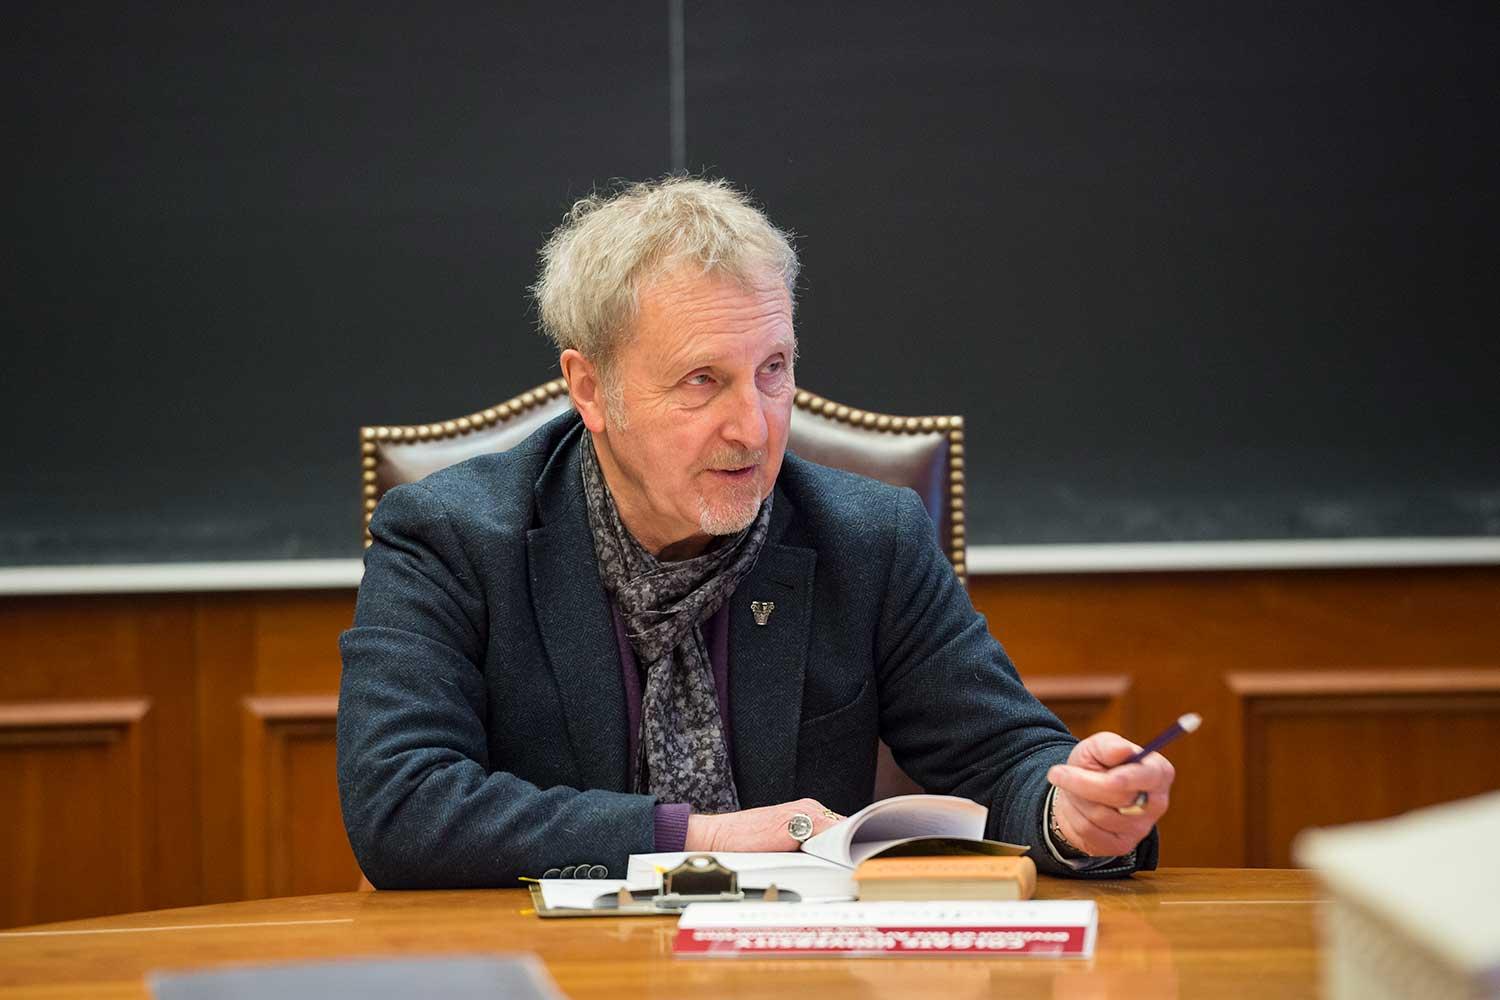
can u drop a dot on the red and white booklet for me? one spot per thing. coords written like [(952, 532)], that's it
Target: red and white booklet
[(1059, 928)]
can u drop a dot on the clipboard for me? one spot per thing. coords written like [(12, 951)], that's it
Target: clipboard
[(699, 879)]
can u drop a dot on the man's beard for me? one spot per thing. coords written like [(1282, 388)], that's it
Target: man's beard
[(734, 509)]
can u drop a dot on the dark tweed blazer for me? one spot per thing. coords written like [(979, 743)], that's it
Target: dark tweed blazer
[(481, 724)]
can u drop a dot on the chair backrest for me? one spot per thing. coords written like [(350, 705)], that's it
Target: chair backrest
[(924, 453)]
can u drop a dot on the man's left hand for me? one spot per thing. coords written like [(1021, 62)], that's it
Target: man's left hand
[(1091, 790)]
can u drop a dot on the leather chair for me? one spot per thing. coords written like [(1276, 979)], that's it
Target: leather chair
[(924, 453)]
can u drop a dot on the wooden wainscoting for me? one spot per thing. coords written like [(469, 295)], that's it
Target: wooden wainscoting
[(1345, 745), (1272, 661), (294, 833), (99, 832), (169, 750)]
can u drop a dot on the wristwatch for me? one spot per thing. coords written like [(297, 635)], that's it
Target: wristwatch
[(1066, 848)]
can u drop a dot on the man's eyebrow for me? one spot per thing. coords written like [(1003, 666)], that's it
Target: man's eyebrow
[(685, 361)]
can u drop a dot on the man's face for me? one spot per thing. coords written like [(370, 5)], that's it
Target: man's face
[(705, 387)]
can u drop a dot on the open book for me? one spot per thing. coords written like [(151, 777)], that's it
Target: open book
[(903, 825), (909, 825)]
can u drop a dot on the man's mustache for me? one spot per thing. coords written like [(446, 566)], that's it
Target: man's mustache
[(727, 460)]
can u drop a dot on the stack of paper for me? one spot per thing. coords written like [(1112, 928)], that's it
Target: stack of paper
[(1416, 902)]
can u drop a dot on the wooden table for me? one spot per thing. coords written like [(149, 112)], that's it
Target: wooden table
[(1186, 932)]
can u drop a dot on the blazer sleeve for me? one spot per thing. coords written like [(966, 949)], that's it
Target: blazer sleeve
[(953, 709), (421, 803)]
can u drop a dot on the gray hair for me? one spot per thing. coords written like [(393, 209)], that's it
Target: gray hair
[(608, 247)]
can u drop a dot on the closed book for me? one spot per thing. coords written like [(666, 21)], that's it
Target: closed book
[(946, 877)]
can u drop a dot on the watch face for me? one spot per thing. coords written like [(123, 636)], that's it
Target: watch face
[(800, 827)]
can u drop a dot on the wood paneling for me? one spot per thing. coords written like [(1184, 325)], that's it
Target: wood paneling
[(1343, 746), (1179, 636), (294, 834), (71, 782), (266, 647), (1326, 696), (1085, 704)]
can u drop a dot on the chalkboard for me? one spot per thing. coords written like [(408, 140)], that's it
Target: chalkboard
[(1190, 271)]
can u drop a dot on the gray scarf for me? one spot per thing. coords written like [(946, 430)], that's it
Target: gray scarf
[(681, 750)]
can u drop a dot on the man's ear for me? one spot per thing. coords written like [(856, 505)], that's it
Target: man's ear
[(586, 388)]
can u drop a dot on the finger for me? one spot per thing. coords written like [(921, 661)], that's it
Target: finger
[(1103, 839), (1111, 788), (1103, 750), (1166, 773), (1092, 814), (821, 815), (1110, 818), (1145, 776)]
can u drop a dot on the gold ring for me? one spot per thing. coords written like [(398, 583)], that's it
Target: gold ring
[(832, 815), (1135, 808)]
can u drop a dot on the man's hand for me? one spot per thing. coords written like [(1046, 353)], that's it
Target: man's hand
[(762, 829), (1090, 789)]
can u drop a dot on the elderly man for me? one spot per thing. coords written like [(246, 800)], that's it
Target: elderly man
[(555, 661)]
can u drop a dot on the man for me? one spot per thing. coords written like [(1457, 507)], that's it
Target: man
[(555, 660)]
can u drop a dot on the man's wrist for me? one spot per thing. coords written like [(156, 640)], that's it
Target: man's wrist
[(1065, 849), (699, 833)]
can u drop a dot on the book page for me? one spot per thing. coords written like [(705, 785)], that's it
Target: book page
[(899, 818)]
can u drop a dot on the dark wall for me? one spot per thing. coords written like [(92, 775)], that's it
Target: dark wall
[(1189, 271)]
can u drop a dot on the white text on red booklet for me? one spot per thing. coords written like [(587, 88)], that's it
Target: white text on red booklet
[(1055, 928)]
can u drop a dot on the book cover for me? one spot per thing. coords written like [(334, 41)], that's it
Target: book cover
[(946, 877)]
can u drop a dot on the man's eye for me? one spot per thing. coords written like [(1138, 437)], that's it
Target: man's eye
[(774, 368), (700, 379)]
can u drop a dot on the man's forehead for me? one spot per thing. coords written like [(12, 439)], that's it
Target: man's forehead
[(707, 317)]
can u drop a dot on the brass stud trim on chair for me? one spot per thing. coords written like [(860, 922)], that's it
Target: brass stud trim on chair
[(486, 418), (950, 426)]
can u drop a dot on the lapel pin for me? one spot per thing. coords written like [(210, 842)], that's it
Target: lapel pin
[(762, 611)]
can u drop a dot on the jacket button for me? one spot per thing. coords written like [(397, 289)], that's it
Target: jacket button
[(552, 873), (568, 871), (598, 871)]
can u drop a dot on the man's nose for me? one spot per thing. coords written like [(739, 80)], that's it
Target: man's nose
[(746, 424)]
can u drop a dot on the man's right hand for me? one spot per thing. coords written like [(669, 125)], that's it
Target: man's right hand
[(762, 829)]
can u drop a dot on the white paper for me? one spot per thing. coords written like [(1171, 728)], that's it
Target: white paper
[(1432, 874), (889, 821), (580, 893)]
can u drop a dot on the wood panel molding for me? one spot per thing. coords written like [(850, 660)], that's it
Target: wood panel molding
[(72, 779), (1343, 683), (65, 722), (1331, 746), (1085, 703), (283, 709), (293, 832)]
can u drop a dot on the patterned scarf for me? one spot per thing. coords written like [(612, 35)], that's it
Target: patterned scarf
[(681, 750)]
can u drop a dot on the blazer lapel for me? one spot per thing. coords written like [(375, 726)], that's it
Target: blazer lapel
[(576, 627), (766, 666)]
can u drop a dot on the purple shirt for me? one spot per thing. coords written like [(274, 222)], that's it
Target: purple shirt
[(672, 817)]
